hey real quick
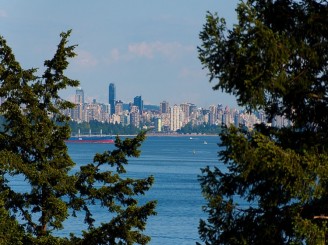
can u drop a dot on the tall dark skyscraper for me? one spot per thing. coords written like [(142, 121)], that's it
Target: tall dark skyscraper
[(138, 102), (112, 97)]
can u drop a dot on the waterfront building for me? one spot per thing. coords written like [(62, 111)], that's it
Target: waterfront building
[(112, 97), (185, 109), (123, 120), (92, 111), (135, 119), (193, 115), (226, 118), (220, 108), (166, 119), (213, 114), (137, 101), (104, 109), (206, 118), (176, 117), (135, 116), (164, 107), (162, 118), (79, 105), (79, 96), (158, 125), (115, 119), (119, 107), (134, 109), (73, 113), (146, 117), (130, 106), (236, 120)]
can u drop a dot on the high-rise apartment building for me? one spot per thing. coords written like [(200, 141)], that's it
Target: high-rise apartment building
[(79, 105), (119, 107), (112, 97), (176, 118), (79, 96), (164, 107), (135, 116), (213, 114), (137, 101), (226, 119), (185, 108), (236, 120), (134, 109), (158, 125)]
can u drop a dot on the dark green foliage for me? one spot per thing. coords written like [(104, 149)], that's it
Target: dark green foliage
[(10, 232), (116, 195), (39, 154), (274, 59), (32, 147)]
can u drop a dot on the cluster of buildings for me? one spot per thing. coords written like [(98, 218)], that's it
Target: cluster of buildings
[(162, 118)]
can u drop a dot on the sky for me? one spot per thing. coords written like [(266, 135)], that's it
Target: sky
[(144, 47)]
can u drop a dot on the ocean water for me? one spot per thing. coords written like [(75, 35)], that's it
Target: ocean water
[(175, 162)]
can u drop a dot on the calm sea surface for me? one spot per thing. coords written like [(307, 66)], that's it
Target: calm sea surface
[(175, 162)]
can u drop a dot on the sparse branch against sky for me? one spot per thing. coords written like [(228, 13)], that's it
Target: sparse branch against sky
[(145, 47)]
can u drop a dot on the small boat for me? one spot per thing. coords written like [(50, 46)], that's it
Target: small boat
[(190, 138), (205, 142), (97, 139)]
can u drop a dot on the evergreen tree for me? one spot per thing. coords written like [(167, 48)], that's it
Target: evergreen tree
[(10, 231), (32, 147), (275, 59), (116, 195), (35, 144)]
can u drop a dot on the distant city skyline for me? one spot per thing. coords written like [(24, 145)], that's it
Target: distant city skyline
[(164, 118), (82, 95), (146, 48)]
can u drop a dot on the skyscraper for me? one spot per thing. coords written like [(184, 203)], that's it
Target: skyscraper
[(79, 96), (79, 105), (176, 116), (185, 109), (138, 102), (112, 97), (119, 107), (213, 114), (135, 116), (164, 107)]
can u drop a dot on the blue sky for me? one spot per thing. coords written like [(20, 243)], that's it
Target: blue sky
[(145, 47)]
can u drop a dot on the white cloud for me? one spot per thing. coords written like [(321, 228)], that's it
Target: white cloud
[(142, 49), (116, 55), (151, 50)]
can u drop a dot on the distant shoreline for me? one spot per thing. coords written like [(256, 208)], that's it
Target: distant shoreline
[(153, 135), (173, 135)]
